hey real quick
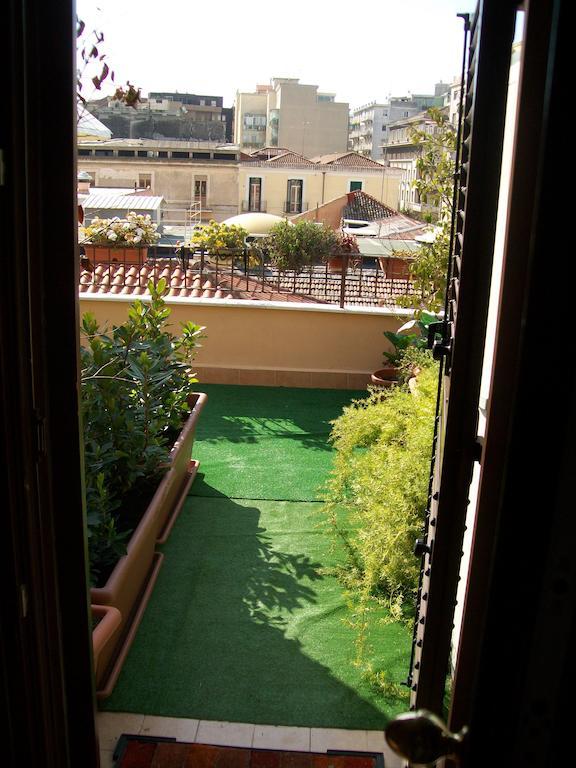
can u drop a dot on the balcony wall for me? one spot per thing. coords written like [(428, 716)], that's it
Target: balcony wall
[(275, 343)]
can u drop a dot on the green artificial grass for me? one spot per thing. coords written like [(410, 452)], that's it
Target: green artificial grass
[(246, 623), (266, 442)]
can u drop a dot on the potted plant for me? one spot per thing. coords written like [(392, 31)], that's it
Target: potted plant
[(124, 240), (397, 266), (222, 240), (345, 247), (139, 419), (414, 333)]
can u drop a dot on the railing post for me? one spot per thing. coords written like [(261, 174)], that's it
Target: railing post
[(345, 259)]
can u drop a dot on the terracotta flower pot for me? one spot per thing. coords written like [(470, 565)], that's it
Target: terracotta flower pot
[(131, 583), (109, 620), (385, 377), (123, 255), (336, 264)]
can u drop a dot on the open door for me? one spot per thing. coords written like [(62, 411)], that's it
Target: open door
[(504, 709)]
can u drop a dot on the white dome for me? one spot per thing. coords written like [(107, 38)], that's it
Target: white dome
[(255, 223)]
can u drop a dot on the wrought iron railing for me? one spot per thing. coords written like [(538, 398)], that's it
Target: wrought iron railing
[(252, 207), (292, 207), (357, 280)]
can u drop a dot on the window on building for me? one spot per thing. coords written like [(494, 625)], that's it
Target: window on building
[(177, 155), (355, 185), (162, 154), (126, 153), (142, 153), (145, 181), (294, 196), (254, 193), (201, 190)]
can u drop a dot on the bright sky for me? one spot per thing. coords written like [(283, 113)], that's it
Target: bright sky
[(362, 51)]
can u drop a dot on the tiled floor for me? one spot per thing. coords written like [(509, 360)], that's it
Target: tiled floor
[(112, 724)]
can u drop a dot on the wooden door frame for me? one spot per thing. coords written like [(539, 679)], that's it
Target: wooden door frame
[(511, 685), (46, 670)]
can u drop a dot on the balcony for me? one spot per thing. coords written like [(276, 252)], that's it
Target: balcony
[(245, 601), (251, 207), (292, 207), (255, 607)]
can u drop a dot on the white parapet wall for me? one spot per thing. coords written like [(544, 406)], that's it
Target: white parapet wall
[(275, 343)]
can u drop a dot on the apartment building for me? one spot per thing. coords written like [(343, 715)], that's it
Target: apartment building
[(290, 114), (402, 154), (369, 123)]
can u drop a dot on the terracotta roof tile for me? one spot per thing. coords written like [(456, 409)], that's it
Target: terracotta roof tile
[(117, 279), (346, 159)]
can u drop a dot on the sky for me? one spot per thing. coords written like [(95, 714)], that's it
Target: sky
[(361, 51)]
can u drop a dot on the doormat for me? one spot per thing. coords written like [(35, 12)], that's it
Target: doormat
[(159, 752)]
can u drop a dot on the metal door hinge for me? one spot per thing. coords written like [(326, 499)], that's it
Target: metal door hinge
[(24, 600), (40, 422)]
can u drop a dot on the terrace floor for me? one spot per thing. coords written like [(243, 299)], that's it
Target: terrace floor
[(247, 625)]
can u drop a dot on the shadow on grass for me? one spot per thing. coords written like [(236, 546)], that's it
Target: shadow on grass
[(238, 613), (250, 414)]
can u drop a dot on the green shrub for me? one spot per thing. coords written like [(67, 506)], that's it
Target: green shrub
[(135, 384), (377, 491), (300, 245)]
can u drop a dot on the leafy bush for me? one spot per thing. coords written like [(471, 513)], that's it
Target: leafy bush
[(413, 334), (377, 492), (135, 384)]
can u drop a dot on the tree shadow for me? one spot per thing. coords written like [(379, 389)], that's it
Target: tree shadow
[(242, 414), (237, 618)]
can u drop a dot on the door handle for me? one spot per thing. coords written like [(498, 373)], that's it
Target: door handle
[(422, 738)]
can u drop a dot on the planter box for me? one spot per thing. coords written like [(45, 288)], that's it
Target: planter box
[(103, 634), (130, 584), (128, 255), (395, 268)]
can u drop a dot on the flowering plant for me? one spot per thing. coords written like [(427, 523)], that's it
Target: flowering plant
[(135, 230), (345, 244), (215, 237)]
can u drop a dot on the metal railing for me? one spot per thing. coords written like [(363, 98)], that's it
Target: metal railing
[(252, 207), (291, 207), (355, 280)]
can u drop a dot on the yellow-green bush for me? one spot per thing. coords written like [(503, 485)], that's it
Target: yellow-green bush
[(378, 487)]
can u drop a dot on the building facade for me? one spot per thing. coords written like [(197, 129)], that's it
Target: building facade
[(402, 154), (287, 184), (290, 114), (184, 173), (369, 123)]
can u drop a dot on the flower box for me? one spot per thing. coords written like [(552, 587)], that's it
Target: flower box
[(130, 585), (124, 255)]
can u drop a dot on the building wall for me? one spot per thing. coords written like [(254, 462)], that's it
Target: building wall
[(297, 117), (172, 180), (309, 126), (252, 343), (320, 185), (250, 104)]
